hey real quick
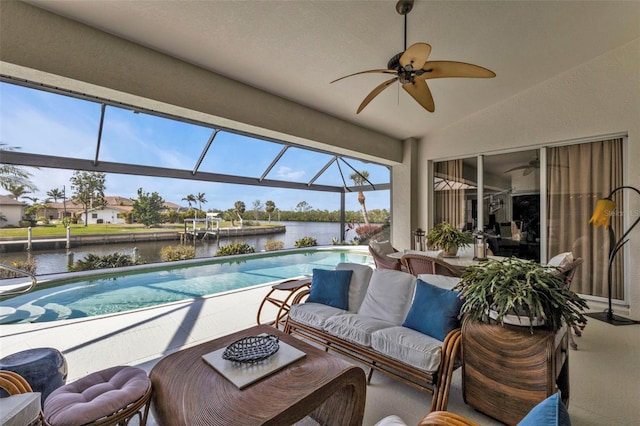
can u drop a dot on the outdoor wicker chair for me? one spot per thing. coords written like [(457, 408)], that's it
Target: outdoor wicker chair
[(417, 264), (384, 262)]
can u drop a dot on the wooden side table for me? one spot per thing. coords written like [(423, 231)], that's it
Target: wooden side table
[(282, 301), (507, 370)]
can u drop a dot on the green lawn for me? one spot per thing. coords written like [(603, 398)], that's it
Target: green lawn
[(59, 230)]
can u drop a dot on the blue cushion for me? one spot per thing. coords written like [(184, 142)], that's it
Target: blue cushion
[(434, 311), (550, 412), (330, 288)]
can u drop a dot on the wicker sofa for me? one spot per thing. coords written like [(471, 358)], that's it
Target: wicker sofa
[(383, 324)]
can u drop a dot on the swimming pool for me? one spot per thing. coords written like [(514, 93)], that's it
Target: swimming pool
[(113, 292)]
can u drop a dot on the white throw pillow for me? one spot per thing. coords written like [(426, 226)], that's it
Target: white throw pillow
[(359, 283), (561, 260), (389, 296)]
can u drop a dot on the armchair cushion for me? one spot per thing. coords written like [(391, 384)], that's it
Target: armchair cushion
[(331, 288), (383, 248), (550, 412), (435, 311)]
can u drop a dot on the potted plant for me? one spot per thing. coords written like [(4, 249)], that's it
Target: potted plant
[(447, 237), (519, 292)]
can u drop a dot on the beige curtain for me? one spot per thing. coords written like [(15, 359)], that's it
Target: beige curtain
[(448, 196), (578, 175)]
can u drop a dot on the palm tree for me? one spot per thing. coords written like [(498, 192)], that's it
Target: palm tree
[(14, 176), (269, 207), (360, 179), (16, 190), (190, 199), (55, 193), (201, 200), (239, 208)]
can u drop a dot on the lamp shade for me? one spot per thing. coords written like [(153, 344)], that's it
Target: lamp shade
[(602, 213)]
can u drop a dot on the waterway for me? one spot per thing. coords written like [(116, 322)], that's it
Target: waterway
[(56, 261)]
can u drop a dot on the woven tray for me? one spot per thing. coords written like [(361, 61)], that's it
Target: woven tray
[(252, 348)]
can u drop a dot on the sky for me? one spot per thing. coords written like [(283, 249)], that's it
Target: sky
[(40, 122)]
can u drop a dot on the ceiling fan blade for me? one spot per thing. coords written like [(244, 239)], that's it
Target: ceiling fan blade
[(421, 93), (367, 72), (517, 168), (416, 55), (528, 171), (442, 69), (375, 92)]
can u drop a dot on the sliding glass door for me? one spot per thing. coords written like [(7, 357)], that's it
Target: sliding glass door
[(536, 203)]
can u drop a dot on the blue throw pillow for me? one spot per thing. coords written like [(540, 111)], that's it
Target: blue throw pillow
[(434, 310), (331, 288), (550, 412)]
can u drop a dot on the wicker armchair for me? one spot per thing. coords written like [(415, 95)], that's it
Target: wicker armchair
[(417, 264), (446, 418), (437, 418), (383, 262)]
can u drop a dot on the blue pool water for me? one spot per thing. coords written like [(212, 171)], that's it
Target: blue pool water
[(110, 293)]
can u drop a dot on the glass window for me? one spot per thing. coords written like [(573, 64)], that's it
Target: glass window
[(511, 203), (138, 138), (47, 123), (455, 192), (239, 155)]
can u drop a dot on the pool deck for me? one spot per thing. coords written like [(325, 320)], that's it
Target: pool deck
[(605, 370)]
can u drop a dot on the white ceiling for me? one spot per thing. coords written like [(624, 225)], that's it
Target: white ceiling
[(295, 48)]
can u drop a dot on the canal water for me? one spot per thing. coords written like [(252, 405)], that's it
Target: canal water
[(56, 261)]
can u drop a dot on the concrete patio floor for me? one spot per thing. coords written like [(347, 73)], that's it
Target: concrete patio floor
[(604, 371)]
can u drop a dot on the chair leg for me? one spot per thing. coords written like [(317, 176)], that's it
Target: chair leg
[(370, 374)]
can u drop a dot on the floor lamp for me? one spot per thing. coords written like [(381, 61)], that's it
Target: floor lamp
[(602, 216)]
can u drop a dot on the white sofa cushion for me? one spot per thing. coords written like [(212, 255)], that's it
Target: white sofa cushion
[(355, 328), (441, 281), (408, 346), (389, 296), (313, 314), (359, 283)]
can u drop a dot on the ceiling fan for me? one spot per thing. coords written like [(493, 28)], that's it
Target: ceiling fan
[(528, 168), (412, 70), (532, 166)]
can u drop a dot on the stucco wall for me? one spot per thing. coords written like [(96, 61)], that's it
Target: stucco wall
[(12, 213), (601, 97)]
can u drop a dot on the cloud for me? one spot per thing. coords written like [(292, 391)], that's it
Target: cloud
[(288, 173)]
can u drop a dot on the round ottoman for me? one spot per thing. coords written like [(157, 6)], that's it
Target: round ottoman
[(106, 397), (45, 369)]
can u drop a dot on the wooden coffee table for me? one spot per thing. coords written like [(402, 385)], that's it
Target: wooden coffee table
[(187, 391)]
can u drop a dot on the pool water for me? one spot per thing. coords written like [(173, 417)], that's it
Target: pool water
[(124, 291)]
